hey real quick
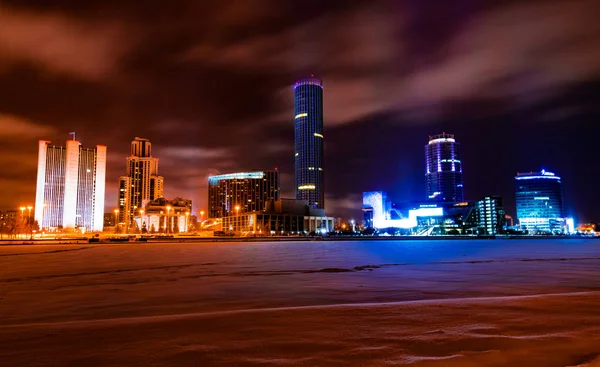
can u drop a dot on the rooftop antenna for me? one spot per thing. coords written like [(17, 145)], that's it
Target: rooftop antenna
[(72, 133)]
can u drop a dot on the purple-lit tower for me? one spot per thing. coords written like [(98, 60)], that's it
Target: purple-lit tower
[(444, 169), (308, 142)]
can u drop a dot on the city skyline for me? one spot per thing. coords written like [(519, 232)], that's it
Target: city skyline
[(205, 102)]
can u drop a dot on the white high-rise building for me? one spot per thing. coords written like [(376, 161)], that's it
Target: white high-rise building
[(141, 184), (70, 186)]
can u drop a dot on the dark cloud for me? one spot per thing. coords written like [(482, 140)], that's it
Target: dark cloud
[(209, 83)]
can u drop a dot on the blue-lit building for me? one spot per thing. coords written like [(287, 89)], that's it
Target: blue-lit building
[(308, 142), (540, 202), (483, 217), (491, 217), (242, 192), (443, 169)]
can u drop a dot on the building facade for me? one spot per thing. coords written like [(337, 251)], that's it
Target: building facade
[(491, 215), (242, 192), (539, 202), (142, 183), (308, 141), (70, 186), (483, 217), (281, 217), (444, 169), (109, 220), (164, 216)]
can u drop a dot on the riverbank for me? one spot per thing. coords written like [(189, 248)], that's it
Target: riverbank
[(217, 239)]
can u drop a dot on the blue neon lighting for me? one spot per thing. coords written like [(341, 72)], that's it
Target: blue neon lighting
[(537, 177), (236, 176)]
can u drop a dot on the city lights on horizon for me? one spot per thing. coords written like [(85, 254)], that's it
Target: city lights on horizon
[(443, 170)]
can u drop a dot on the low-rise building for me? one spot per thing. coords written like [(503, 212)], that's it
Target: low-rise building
[(285, 216), (164, 216), (483, 217)]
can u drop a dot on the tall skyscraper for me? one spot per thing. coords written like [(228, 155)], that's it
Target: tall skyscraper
[(70, 186), (141, 184), (308, 143), (539, 201), (444, 169), (243, 192)]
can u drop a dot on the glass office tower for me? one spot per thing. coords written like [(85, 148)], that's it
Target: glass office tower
[(308, 143), (444, 169), (539, 202), (244, 192), (70, 186)]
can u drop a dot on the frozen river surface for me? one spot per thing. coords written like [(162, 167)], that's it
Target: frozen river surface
[(353, 303)]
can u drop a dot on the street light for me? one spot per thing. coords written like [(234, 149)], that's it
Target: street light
[(22, 210), (187, 221), (237, 215), (201, 220), (29, 221), (116, 217)]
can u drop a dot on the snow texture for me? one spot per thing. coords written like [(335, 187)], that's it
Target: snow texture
[(352, 303)]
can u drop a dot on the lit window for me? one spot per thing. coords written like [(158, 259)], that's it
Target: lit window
[(301, 115)]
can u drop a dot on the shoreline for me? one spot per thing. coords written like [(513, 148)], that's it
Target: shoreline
[(162, 240)]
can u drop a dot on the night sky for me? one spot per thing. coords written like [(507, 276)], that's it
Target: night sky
[(209, 83)]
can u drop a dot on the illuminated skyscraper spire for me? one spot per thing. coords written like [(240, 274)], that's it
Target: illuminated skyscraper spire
[(308, 143)]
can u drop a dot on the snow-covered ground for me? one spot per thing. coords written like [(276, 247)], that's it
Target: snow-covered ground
[(355, 303)]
